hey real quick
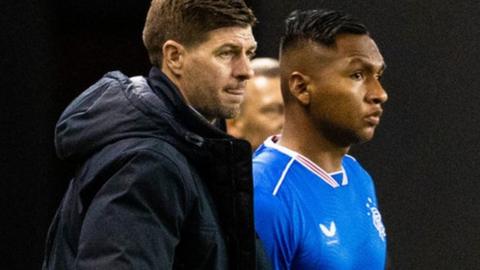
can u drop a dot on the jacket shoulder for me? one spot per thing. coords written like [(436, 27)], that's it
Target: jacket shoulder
[(156, 148)]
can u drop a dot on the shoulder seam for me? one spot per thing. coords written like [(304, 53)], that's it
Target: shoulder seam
[(282, 177)]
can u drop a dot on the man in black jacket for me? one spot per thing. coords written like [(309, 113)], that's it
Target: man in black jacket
[(158, 184)]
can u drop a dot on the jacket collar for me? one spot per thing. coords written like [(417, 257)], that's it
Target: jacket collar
[(163, 87)]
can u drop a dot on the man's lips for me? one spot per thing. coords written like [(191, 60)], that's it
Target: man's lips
[(236, 88), (235, 91), (374, 118), (234, 94)]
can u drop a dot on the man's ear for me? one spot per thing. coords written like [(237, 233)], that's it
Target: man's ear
[(173, 56), (298, 84)]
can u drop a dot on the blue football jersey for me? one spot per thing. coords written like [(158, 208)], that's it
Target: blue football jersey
[(310, 219)]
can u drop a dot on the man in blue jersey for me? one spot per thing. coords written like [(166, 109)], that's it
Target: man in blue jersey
[(315, 206)]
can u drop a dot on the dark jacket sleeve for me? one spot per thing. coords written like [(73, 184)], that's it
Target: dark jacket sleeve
[(135, 219), (262, 260)]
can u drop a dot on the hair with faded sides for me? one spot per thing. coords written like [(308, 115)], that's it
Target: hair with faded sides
[(317, 26), (188, 22)]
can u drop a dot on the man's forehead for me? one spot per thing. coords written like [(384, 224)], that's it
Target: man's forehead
[(232, 36), (263, 83), (350, 49), (357, 45), (374, 61)]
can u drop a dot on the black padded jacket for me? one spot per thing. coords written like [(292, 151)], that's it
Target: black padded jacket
[(156, 186)]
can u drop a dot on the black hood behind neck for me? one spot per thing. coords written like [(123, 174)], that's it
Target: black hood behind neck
[(117, 107)]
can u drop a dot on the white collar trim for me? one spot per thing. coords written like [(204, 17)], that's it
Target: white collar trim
[(307, 163)]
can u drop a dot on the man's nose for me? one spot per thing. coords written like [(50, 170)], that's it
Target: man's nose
[(243, 69), (376, 93)]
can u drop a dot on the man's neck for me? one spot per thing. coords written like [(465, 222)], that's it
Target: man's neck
[(314, 146), (201, 115)]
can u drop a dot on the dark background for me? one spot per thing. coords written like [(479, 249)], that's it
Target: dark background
[(424, 157)]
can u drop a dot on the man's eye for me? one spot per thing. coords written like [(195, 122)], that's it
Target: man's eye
[(250, 55), (357, 76), (226, 54)]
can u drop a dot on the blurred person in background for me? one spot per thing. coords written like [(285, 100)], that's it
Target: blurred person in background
[(261, 113)]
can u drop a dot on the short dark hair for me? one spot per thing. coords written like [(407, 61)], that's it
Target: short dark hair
[(318, 25), (189, 21)]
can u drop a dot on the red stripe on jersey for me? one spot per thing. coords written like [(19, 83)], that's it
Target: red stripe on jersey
[(317, 170)]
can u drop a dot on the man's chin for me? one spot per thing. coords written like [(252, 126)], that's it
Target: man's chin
[(229, 112), (349, 139), (367, 136)]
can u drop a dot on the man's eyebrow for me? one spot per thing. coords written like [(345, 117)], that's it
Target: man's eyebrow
[(367, 64), (228, 46), (231, 45)]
